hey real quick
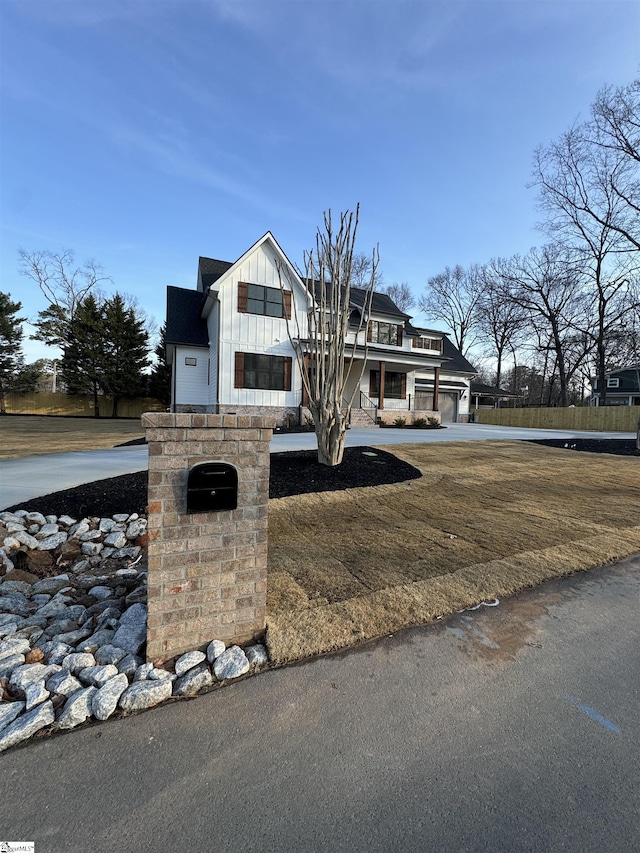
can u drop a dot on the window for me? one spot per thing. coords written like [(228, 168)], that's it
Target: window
[(191, 362), (427, 343), (266, 372), (613, 383), (395, 384), (384, 333), (267, 301)]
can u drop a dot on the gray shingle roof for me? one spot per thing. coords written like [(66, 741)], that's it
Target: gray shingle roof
[(458, 361), (210, 270), (184, 323)]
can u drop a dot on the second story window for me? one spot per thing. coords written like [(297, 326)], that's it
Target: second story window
[(384, 333), (427, 343), (260, 299)]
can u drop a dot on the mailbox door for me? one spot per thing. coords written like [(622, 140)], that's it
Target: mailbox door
[(212, 487)]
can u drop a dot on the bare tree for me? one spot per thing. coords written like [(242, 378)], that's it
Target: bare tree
[(546, 284), (362, 268), (452, 296), (501, 321), (584, 213), (400, 293), (64, 285), (326, 358), (615, 128)]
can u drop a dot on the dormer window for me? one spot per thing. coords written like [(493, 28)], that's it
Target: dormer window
[(427, 343)]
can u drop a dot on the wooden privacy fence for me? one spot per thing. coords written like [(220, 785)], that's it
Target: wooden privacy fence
[(600, 418), (65, 404)]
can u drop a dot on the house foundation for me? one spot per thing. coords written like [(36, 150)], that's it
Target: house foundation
[(207, 569)]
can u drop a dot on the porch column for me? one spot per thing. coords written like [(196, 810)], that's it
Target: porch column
[(436, 387), (381, 388)]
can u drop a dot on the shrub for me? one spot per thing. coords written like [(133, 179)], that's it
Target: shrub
[(433, 422), (400, 422), (420, 423)]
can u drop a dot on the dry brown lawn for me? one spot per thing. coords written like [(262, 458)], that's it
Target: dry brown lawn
[(485, 521), (34, 436)]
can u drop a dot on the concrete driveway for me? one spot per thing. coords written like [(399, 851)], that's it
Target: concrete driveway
[(34, 476)]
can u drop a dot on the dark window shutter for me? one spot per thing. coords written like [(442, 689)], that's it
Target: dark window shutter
[(373, 383), (239, 371), (242, 302), (287, 304), (403, 386), (369, 331), (287, 373), (399, 336)]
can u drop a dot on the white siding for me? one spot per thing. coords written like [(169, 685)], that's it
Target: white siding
[(256, 333), (213, 322), (191, 382)]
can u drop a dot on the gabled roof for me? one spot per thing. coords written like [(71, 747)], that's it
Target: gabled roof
[(457, 361), (210, 270), (483, 390), (184, 324)]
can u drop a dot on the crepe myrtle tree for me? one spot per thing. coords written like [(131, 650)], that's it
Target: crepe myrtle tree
[(325, 358)]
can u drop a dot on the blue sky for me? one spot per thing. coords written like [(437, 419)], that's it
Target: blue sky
[(144, 133)]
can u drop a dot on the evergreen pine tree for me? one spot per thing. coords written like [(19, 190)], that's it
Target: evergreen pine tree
[(160, 379), (14, 375), (82, 365), (126, 352)]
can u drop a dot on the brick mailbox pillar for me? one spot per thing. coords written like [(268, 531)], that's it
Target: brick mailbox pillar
[(207, 570)]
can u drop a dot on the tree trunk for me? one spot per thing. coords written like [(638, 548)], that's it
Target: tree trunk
[(330, 434), (96, 402), (114, 411)]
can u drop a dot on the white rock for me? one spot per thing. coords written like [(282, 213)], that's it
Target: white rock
[(256, 655), (132, 633), (91, 549), (91, 536), (106, 525), (231, 664), (51, 519), (129, 664), (52, 541), (77, 530), (188, 661), (66, 520), (27, 674), (77, 708), (63, 682), (77, 661), (143, 671), (10, 647), (119, 516), (25, 538), (15, 526), (26, 725), (109, 654), (144, 694), (48, 530), (35, 693), (51, 586), (36, 517), (10, 664), (98, 675), (115, 540), (136, 528), (9, 711), (105, 701), (100, 592), (214, 650), (193, 681)]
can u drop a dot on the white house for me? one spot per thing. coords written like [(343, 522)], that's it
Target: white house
[(230, 350)]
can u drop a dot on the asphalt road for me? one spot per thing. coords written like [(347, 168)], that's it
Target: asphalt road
[(31, 477), (506, 729)]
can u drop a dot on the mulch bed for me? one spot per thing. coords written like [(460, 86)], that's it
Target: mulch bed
[(294, 473), (617, 446)]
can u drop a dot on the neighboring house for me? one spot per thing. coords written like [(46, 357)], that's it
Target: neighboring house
[(489, 397), (230, 350), (622, 387)]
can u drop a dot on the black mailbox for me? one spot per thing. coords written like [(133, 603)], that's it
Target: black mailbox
[(212, 487)]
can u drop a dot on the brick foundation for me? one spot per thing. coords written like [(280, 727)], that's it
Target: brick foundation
[(207, 571)]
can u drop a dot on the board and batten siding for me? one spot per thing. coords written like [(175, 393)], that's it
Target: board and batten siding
[(191, 382), (213, 323), (256, 333)]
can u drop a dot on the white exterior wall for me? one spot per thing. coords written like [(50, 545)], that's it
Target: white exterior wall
[(256, 333), (191, 382), (213, 322)]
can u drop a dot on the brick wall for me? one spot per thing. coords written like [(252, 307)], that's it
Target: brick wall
[(207, 571)]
